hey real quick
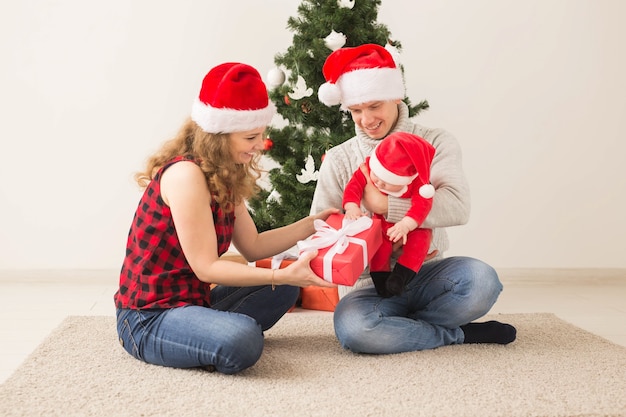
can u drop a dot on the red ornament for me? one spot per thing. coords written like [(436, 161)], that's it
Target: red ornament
[(323, 156), (287, 101), (267, 144)]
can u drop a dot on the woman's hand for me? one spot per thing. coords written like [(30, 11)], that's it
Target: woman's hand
[(299, 273)]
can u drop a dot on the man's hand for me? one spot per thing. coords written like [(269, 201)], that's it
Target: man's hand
[(431, 255), (323, 215)]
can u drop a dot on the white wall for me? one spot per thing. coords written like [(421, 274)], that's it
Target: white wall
[(534, 90)]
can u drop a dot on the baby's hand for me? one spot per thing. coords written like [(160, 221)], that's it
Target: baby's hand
[(353, 212), (397, 232), (401, 229)]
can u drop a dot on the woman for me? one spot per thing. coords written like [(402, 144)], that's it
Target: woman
[(193, 207)]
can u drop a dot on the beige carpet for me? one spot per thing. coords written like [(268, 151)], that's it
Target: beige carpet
[(553, 369)]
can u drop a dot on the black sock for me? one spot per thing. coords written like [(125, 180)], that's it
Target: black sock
[(380, 281), (489, 332), (399, 277)]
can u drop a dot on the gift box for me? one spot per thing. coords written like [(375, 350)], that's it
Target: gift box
[(319, 298), (267, 263), (311, 298), (344, 247)]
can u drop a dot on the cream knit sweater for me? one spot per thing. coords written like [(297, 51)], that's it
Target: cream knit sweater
[(451, 203)]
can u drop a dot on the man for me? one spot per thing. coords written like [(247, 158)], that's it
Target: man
[(444, 297)]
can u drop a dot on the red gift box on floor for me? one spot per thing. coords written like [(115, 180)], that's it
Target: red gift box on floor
[(267, 263), (344, 250), (319, 298)]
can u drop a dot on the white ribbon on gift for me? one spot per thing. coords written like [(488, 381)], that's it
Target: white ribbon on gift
[(327, 235), (288, 254)]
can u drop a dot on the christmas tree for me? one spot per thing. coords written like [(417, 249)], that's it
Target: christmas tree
[(311, 128)]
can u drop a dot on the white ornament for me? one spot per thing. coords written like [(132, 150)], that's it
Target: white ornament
[(334, 40), (300, 90), (308, 172), (275, 78), (274, 196), (346, 4), (395, 54)]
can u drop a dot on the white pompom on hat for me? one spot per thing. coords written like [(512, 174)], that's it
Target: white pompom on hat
[(401, 158), (233, 98), (357, 75)]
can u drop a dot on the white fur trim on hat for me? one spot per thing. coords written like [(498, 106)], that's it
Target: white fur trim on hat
[(371, 84), (213, 120), (387, 176), (329, 94), (398, 193)]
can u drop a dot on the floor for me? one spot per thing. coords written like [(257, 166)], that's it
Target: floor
[(35, 302)]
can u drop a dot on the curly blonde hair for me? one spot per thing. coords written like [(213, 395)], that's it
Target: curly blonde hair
[(230, 183)]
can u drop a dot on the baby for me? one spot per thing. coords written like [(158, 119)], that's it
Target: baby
[(399, 166)]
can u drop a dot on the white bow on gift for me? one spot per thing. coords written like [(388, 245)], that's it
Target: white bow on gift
[(327, 235), (277, 260)]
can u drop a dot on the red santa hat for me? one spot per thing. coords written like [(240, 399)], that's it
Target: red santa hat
[(401, 158), (233, 98), (359, 75)]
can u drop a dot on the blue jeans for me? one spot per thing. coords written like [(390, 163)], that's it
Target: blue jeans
[(228, 336), (444, 295)]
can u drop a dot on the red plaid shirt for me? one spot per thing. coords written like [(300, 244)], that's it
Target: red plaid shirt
[(155, 273)]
